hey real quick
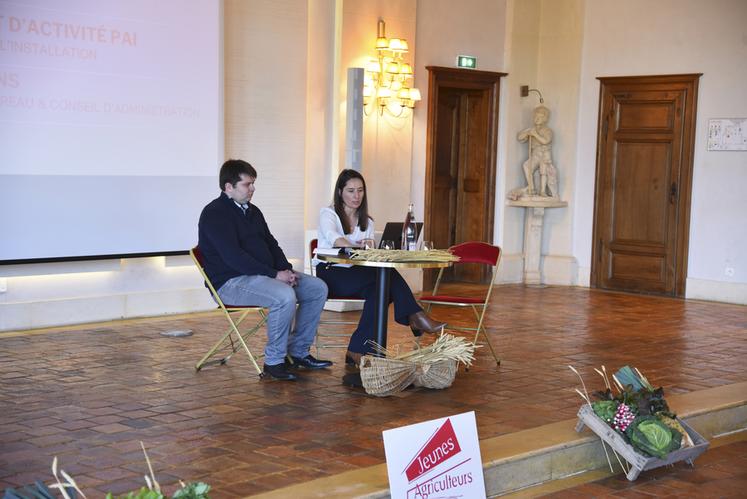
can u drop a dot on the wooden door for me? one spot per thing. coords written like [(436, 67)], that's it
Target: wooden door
[(460, 162), (643, 183), (441, 229)]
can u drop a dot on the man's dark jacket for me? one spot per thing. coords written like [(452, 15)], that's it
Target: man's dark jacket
[(233, 243)]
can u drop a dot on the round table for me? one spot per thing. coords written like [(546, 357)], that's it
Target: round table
[(383, 271)]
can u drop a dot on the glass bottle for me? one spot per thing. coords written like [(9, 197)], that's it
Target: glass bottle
[(409, 231)]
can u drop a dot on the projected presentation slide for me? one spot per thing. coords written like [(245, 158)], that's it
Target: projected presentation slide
[(106, 108)]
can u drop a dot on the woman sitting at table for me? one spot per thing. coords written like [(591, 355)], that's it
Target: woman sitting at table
[(347, 224)]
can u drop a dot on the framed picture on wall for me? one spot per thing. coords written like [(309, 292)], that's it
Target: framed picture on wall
[(727, 134)]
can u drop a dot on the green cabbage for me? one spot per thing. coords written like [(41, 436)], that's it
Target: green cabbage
[(652, 437), (605, 409)]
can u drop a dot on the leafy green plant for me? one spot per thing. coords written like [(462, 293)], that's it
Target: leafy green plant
[(193, 490), (652, 437), (652, 402), (143, 493), (605, 409)]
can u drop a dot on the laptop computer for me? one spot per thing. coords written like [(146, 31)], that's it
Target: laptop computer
[(393, 232)]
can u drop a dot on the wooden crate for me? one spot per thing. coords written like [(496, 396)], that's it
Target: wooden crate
[(638, 462)]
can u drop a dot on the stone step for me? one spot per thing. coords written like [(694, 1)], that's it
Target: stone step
[(529, 458)]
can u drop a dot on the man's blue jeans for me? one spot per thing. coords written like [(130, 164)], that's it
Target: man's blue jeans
[(281, 299)]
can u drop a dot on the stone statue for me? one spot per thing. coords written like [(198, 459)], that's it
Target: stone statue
[(539, 139)]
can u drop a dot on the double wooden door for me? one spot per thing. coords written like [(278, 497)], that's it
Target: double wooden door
[(643, 183), (460, 162)]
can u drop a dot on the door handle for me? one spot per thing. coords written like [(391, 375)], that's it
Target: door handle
[(673, 193)]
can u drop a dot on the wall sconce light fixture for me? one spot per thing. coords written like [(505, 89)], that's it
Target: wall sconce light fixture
[(525, 92), (388, 78)]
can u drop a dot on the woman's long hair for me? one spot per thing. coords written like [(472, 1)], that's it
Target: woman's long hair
[(363, 216)]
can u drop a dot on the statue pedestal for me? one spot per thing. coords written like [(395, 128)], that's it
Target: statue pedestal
[(533, 224)]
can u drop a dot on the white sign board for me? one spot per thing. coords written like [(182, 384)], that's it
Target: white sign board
[(435, 459), (729, 134)]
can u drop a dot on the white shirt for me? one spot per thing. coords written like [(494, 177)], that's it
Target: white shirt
[(330, 229)]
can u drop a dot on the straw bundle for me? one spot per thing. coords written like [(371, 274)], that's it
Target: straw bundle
[(445, 347), (432, 366), (378, 255)]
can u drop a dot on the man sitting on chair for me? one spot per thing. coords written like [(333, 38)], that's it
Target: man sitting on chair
[(248, 268)]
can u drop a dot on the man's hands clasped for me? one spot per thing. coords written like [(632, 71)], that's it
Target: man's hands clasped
[(287, 276)]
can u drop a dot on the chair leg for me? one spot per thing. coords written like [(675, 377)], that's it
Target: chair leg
[(215, 347), (480, 327), (490, 346), (220, 342), (251, 357), (233, 329), (248, 352)]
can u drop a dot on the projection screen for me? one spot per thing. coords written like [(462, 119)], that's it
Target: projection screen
[(110, 126)]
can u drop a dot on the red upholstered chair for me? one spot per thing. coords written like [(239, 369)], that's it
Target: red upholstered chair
[(469, 252), (338, 343), (233, 338)]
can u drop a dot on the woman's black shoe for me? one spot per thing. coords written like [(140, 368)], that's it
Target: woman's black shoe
[(352, 365), (352, 358)]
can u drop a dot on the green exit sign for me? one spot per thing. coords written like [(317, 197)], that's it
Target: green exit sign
[(466, 61)]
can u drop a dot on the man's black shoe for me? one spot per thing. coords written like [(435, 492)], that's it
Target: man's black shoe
[(279, 372), (309, 362)]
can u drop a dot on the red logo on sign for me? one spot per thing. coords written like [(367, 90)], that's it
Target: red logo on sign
[(441, 446)]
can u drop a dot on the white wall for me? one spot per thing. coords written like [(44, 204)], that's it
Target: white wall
[(53, 294), (523, 22), (543, 52), (560, 49), (322, 109), (639, 37), (387, 140), (265, 113)]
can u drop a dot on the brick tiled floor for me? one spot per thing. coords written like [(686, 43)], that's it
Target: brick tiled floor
[(90, 394)]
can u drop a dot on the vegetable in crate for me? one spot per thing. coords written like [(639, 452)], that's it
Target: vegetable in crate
[(672, 422), (626, 376), (652, 437), (605, 409), (623, 417), (652, 402)]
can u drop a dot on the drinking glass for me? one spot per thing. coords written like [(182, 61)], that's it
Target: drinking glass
[(368, 243), (427, 246), (387, 244)]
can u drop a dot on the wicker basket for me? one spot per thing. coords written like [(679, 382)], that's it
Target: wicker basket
[(438, 375), (383, 377)]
